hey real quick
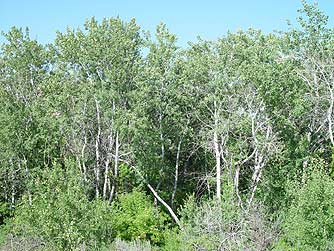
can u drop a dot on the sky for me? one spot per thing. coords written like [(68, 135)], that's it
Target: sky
[(209, 19)]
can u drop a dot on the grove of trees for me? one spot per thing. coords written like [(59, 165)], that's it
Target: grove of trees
[(115, 139)]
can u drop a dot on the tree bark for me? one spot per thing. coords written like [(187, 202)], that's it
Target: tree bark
[(106, 166), (156, 195), (217, 155), (115, 174), (84, 169), (329, 116), (162, 156), (97, 150), (170, 210), (176, 172)]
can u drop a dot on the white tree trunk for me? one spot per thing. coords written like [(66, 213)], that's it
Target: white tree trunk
[(97, 150), (115, 174), (176, 172), (217, 155)]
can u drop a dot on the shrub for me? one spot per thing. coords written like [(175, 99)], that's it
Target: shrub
[(136, 245), (224, 226), (172, 240), (309, 222), (61, 214), (135, 217)]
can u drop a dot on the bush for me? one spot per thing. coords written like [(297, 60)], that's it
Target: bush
[(135, 217), (136, 245), (61, 214), (22, 244), (172, 240), (309, 222), (224, 226)]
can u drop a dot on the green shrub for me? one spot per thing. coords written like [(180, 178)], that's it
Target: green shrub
[(61, 214), (172, 240), (309, 222), (135, 217)]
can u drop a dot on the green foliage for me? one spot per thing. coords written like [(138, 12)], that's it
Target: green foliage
[(173, 240), (61, 214), (87, 122), (4, 211), (135, 217), (309, 222)]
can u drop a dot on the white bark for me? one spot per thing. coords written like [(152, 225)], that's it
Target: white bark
[(329, 116), (27, 175), (156, 195), (115, 173), (217, 155), (170, 210), (162, 156), (97, 150), (176, 172), (107, 164)]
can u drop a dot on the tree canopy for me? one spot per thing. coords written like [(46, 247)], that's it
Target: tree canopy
[(113, 139)]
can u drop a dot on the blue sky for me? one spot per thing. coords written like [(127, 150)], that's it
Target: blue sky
[(210, 18)]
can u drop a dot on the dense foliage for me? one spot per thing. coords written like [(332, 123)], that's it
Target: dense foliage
[(111, 139)]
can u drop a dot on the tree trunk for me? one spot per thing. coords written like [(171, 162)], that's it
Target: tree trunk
[(84, 169), (217, 155), (27, 176), (170, 210), (176, 172), (256, 179), (156, 195), (329, 116), (106, 167), (236, 184), (97, 150), (162, 157), (115, 174)]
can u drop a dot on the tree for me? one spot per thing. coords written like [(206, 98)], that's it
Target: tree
[(165, 108), (24, 145), (235, 125), (312, 50), (102, 64)]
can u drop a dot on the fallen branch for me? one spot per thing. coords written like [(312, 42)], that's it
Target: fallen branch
[(156, 195)]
